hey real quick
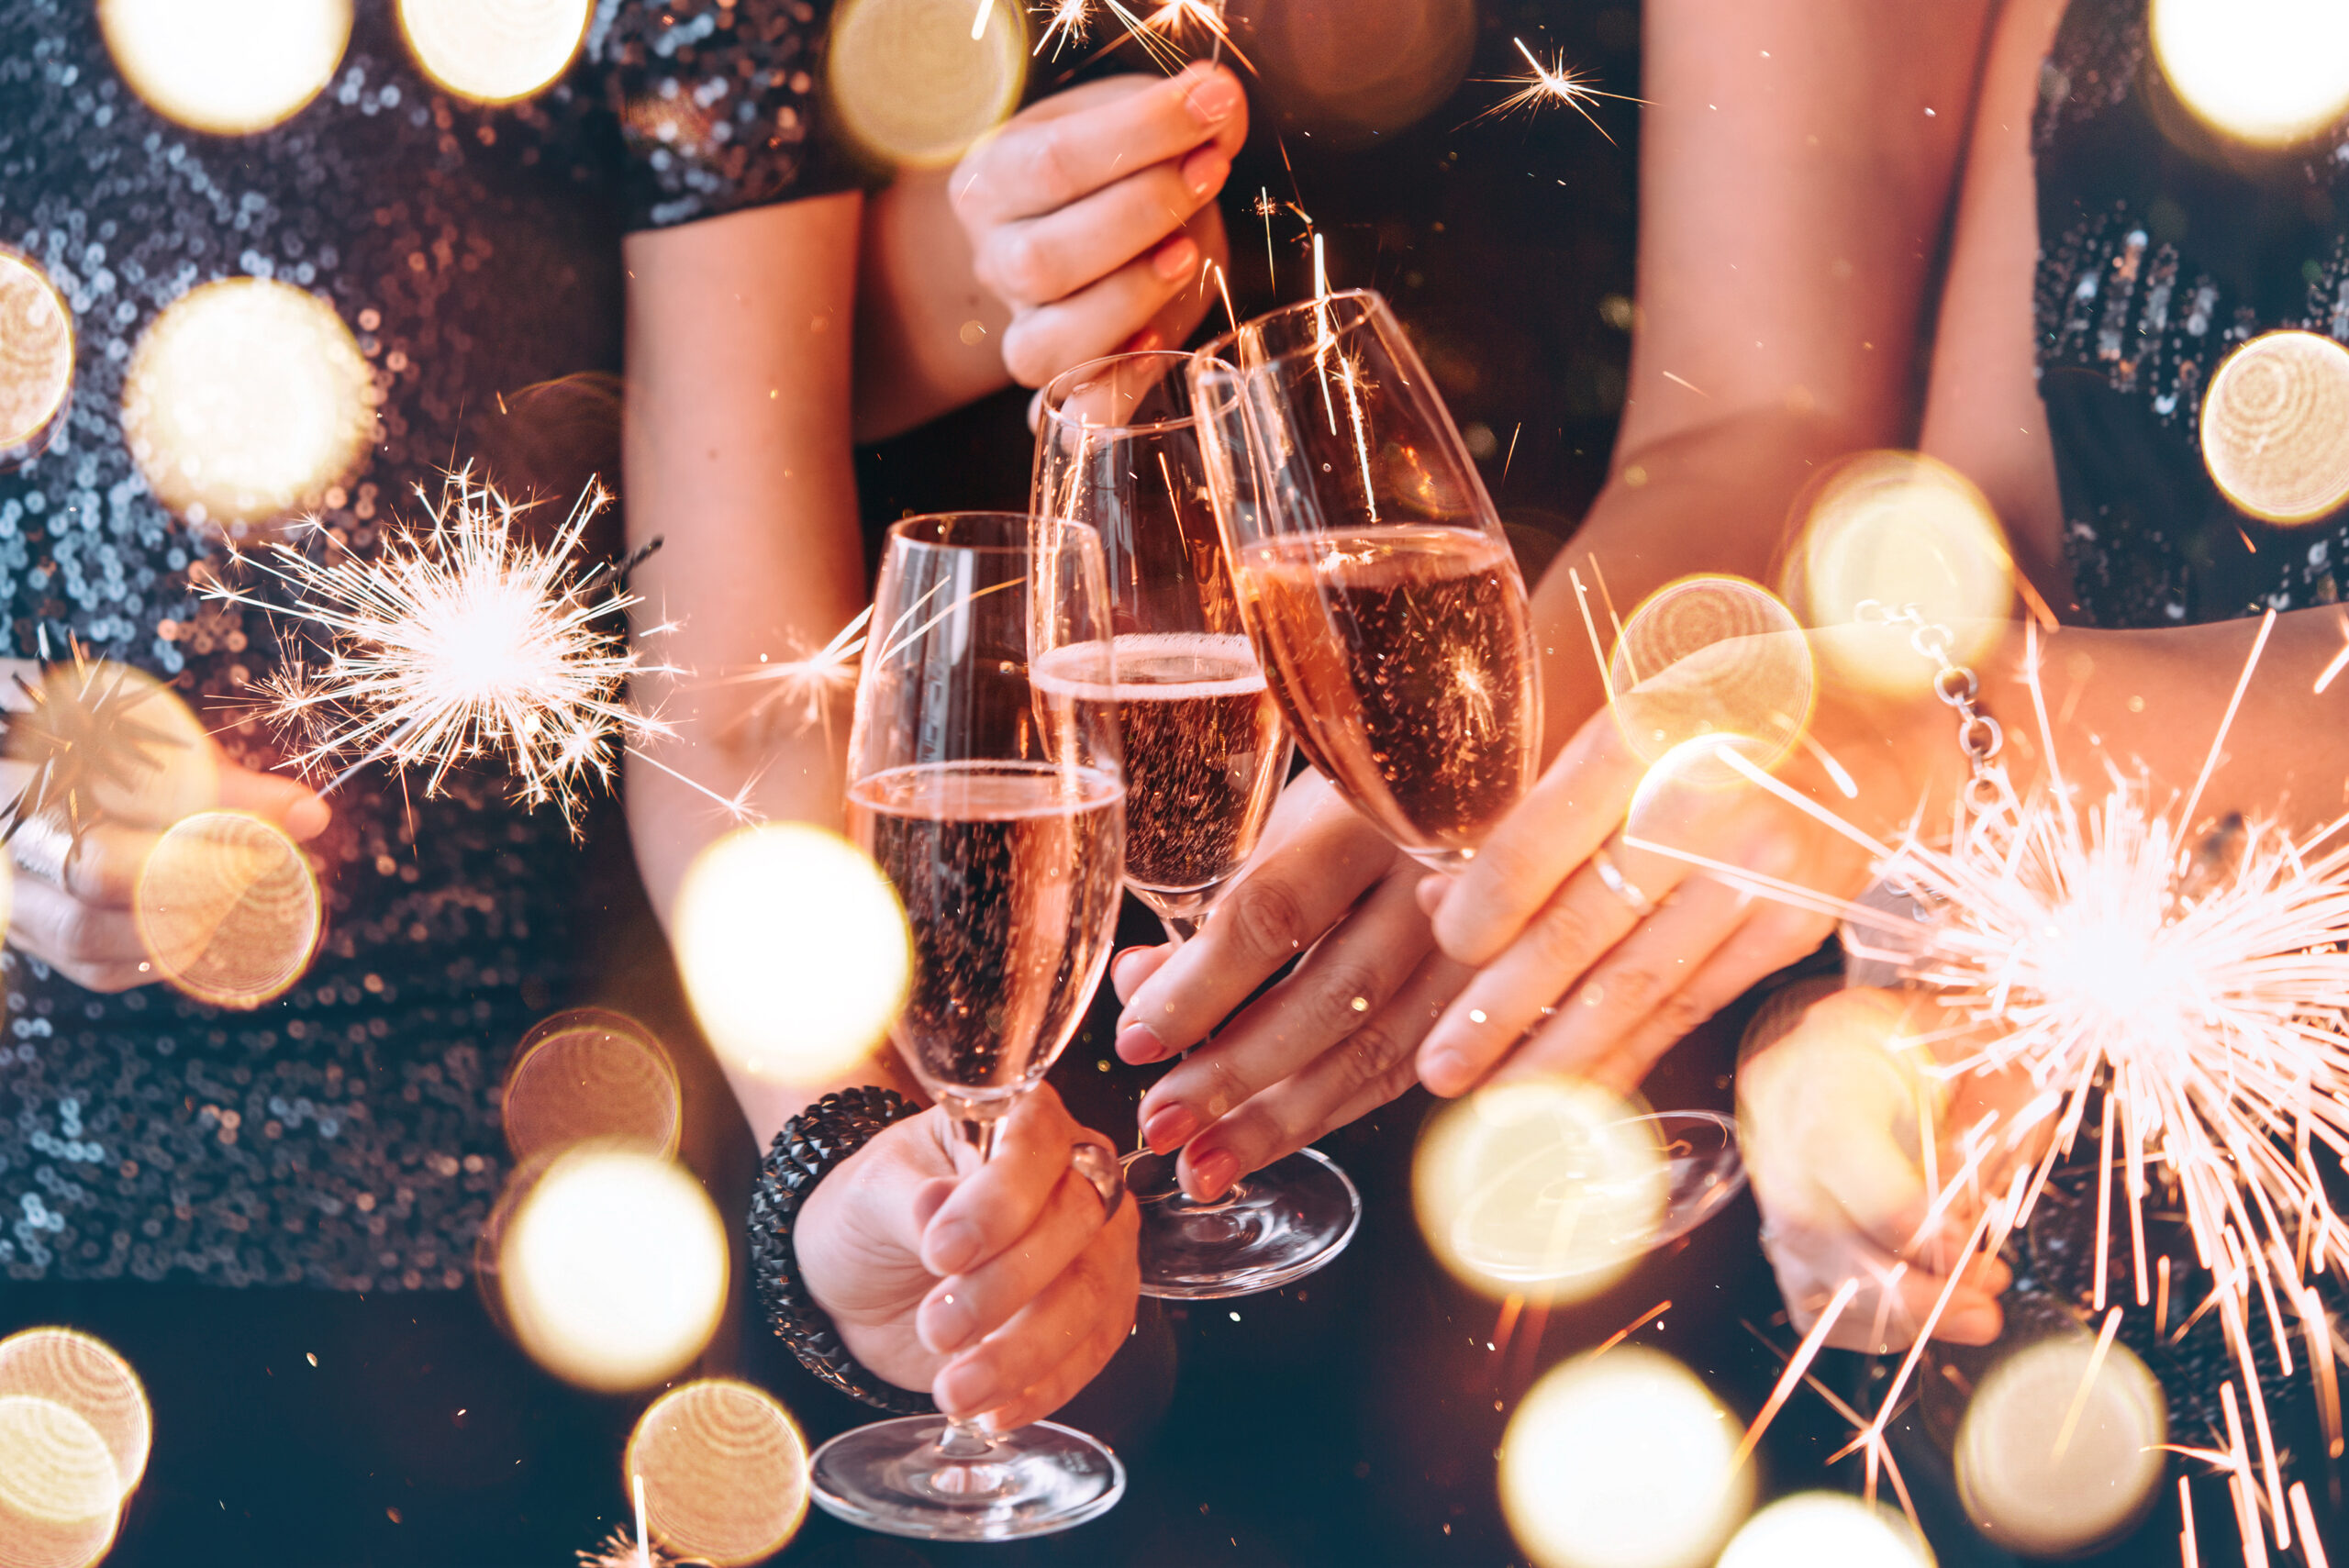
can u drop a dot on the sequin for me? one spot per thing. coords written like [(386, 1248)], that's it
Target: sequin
[(346, 1134)]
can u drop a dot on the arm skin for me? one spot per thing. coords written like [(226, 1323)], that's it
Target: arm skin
[(738, 457)]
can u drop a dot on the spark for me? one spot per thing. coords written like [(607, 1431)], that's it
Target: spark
[(80, 733), (618, 1550), (1071, 21), (1161, 35), (1556, 83), (461, 640), (809, 681), (2192, 987)]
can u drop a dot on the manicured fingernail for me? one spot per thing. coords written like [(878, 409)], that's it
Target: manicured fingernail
[(1145, 342), (1203, 171), (1169, 1128), (1212, 1177), (945, 1324), (1137, 1045), (1975, 1324), (1214, 100), (1175, 258), (964, 1387), (950, 1245)]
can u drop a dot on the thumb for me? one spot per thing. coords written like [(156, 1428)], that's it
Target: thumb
[(286, 802)]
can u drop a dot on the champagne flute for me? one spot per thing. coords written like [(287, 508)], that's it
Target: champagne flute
[(1117, 449), (995, 805), (1382, 594)]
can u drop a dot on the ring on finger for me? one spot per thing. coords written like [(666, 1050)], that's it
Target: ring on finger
[(41, 849), (1099, 1167), (1622, 887)]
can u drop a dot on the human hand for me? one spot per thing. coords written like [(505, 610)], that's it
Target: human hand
[(1609, 952), (1001, 1287), (72, 899), (1331, 1043), (1836, 1116), (1090, 215)]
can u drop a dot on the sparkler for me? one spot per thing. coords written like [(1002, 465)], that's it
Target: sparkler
[(2200, 983), (463, 640), (809, 681), (81, 735), (1556, 83), (1156, 33)]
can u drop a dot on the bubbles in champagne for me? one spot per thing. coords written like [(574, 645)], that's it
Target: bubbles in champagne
[(1204, 751), (1009, 874)]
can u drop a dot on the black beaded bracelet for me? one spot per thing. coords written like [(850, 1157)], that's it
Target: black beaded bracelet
[(809, 1146)]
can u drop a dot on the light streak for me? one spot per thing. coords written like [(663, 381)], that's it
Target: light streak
[(2087, 1378), (1796, 1364), (809, 681), (1162, 34), (1556, 83), (463, 640)]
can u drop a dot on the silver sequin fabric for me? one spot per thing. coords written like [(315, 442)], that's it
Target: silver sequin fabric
[(344, 1136), (2160, 251)]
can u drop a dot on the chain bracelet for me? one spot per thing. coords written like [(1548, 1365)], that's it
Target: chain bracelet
[(1978, 735)]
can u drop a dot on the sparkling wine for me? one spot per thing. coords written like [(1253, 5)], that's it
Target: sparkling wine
[(1204, 752), (1009, 872), (1404, 659)]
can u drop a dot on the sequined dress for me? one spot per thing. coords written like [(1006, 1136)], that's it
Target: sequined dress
[(346, 1134), (2160, 250)]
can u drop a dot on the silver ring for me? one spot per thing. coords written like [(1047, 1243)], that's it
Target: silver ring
[(41, 849), (1619, 884), (1099, 1166)]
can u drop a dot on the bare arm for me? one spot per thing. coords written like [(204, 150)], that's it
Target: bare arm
[(1798, 160), (737, 458)]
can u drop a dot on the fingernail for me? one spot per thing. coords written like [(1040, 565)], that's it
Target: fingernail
[(1214, 100), (950, 1245), (945, 1325), (1175, 258), (1203, 171), (1212, 1176), (309, 819), (964, 1387), (1441, 1070), (1137, 1045), (1975, 1324), (1145, 342), (1169, 1128)]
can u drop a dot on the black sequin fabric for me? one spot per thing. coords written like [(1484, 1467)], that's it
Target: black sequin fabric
[(346, 1134), (2160, 250)]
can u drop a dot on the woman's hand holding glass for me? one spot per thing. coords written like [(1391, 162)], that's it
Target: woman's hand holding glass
[(1003, 1287)]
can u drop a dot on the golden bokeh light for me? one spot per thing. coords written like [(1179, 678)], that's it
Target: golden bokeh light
[(1897, 529), (590, 1076), (1368, 68), (613, 1268), (1712, 656), (245, 401), (494, 51), (725, 1472), (2275, 426), (2270, 73), (2052, 1461), (794, 949), (68, 1367), (60, 1493), (1810, 1530), (227, 909), (1622, 1460), (230, 67), (1548, 1189), (36, 351), (911, 86)]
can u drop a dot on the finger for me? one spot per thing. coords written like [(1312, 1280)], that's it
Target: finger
[(994, 1205), (1131, 967), (1282, 904), (965, 1306), (1772, 938), (1044, 340), (1066, 1319), (1371, 1067), (1046, 258), (1567, 814), (286, 802), (102, 866), (1894, 1299), (97, 948), (1571, 933), (1348, 974), (1042, 162)]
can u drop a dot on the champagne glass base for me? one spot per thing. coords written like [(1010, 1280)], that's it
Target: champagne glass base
[(1275, 1224), (898, 1478)]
